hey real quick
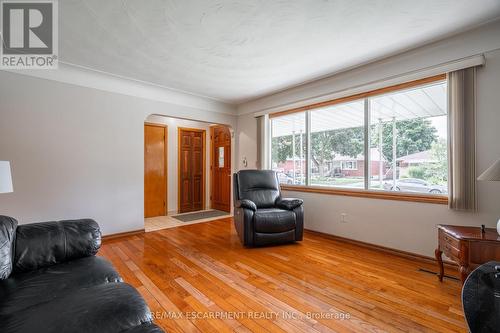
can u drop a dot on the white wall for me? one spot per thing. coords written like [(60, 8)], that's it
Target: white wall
[(78, 152), (173, 156), (406, 226), (246, 141), (86, 77)]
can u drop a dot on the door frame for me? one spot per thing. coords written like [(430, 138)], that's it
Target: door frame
[(204, 172), (213, 163), (165, 127)]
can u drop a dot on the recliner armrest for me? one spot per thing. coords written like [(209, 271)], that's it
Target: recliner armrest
[(44, 244), (289, 203), (245, 203)]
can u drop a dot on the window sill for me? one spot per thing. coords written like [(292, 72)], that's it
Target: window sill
[(397, 196)]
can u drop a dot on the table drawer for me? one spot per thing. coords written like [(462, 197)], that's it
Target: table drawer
[(450, 251), (447, 239)]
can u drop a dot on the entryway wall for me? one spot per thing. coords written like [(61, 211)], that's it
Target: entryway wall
[(172, 171)]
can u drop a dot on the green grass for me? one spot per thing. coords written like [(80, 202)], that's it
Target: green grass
[(335, 181)]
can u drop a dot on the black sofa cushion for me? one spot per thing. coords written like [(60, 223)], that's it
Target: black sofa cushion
[(49, 243), (109, 307), (259, 186), (7, 235), (25, 290), (272, 220)]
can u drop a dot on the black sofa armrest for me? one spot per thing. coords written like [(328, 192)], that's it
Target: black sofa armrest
[(8, 227), (48, 243), (245, 203), (289, 203)]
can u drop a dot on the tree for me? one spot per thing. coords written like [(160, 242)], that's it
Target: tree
[(282, 146), (439, 152), (413, 136), (327, 144), (437, 171)]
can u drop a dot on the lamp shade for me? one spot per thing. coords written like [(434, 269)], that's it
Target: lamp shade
[(492, 173), (5, 177)]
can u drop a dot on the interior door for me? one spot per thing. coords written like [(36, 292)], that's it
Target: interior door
[(155, 170), (191, 170), (221, 168)]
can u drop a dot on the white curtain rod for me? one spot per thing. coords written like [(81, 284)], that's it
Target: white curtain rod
[(477, 60)]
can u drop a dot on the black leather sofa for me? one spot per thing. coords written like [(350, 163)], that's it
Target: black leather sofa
[(261, 216), (51, 281)]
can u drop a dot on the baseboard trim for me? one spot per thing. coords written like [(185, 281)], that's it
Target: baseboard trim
[(399, 253), (123, 234)]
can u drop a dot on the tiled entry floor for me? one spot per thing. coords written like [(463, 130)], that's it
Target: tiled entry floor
[(165, 222)]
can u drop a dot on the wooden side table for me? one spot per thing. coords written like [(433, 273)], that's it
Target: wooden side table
[(467, 246)]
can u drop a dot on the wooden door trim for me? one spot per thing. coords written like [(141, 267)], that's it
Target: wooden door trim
[(204, 172), (166, 159), (212, 170), (213, 163), (155, 124)]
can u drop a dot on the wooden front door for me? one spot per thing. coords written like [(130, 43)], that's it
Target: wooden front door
[(155, 170), (191, 169), (221, 168)]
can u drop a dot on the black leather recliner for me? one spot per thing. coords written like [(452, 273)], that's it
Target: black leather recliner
[(261, 216), (51, 281)]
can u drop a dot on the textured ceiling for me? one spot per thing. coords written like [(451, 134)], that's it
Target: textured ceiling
[(242, 49)]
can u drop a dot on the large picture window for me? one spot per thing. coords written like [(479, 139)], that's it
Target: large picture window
[(288, 148), (410, 129), (337, 145), (392, 140)]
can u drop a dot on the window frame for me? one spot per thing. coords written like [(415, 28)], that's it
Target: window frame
[(366, 192)]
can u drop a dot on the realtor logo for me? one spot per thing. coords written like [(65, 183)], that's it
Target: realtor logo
[(29, 34)]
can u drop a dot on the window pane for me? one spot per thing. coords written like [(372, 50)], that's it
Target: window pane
[(288, 148), (337, 145), (416, 161)]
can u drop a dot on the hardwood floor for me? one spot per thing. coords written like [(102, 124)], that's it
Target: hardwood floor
[(198, 278)]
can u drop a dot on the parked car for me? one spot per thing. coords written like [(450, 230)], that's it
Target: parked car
[(284, 179), (415, 185), (336, 172)]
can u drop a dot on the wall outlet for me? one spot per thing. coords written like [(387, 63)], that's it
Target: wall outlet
[(343, 218)]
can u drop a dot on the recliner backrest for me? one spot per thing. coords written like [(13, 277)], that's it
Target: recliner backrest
[(260, 186)]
